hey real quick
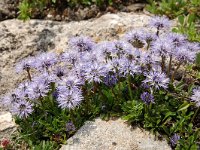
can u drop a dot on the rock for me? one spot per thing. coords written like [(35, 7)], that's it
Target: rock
[(135, 7), (7, 125), (21, 39), (113, 135)]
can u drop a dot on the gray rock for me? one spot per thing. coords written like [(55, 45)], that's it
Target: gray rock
[(7, 125), (135, 7), (113, 135)]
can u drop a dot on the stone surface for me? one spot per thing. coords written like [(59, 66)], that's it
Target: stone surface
[(113, 135), (7, 125), (20, 39)]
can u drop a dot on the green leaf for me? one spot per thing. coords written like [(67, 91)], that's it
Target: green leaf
[(168, 114), (184, 106), (181, 19)]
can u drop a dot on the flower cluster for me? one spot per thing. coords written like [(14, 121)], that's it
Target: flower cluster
[(139, 53)]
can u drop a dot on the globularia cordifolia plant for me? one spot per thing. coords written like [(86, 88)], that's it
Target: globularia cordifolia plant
[(134, 77)]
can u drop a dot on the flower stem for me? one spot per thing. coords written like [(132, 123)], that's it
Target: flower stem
[(129, 87), (29, 74), (175, 71), (170, 65), (158, 30), (163, 63), (195, 114)]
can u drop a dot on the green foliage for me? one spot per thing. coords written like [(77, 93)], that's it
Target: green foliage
[(168, 116), (174, 8), (28, 7), (24, 12), (44, 145)]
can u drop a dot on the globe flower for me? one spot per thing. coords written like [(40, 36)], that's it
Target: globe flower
[(177, 39), (162, 46), (70, 127), (174, 139), (110, 79), (25, 64), (196, 96), (60, 72), (95, 72), (22, 109), (69, 99), (71, 57), (45, 60), (147, 98), (37, 89), (156, 79), (136, 38), (81, 44), (127, 67), (183, 55), (121, 49), (160, 22), (104, 48)]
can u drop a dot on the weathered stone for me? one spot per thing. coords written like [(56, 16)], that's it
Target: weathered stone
[(113, 135), (7, 125), (135, 7)]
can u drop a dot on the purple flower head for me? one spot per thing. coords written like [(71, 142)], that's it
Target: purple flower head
[(60, 72), (26, 64), (69, 98), (121, 49), (81, 44), (156, 79), (71, 57), (177, 39), (22, 109), (184, 55), (196, 96), (114, 64), (45, 78), (79, 71), (95, 72), (136, 38), (92, 57), (55, 93), (160, 22), (162, 46), (13, 97), (129, 67), (149, 37), (70, 127), (147, 58), (71, 82), (194, 47), (37, 88), (145, 86), (174, 139), (147, 98), (104, 48), (110, 80), (46, 60)]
